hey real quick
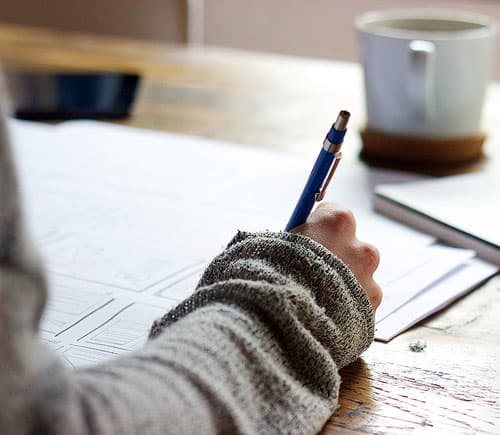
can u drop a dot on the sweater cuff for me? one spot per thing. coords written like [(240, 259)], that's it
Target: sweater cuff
[(307, 248), (330, 281)]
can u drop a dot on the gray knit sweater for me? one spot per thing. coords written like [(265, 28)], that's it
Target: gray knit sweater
[(255, 350)]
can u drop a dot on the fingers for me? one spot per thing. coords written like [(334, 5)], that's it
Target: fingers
[(363, 260), (375, 294), (334, 226)]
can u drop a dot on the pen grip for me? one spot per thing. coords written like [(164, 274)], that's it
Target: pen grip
[(312, 187)]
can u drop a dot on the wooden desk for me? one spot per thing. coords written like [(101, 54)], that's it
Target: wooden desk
[(285, 103)]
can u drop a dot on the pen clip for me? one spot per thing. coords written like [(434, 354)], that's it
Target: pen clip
[(321, 194)]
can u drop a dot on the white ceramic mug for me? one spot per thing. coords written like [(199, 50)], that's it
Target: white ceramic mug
[(426, 71)]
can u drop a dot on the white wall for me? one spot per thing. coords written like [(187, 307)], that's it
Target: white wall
[(316, 28)]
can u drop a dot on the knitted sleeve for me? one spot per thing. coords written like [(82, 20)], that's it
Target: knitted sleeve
[(256, 349)]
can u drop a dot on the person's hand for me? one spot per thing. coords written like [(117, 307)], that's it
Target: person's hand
[(334, 227)]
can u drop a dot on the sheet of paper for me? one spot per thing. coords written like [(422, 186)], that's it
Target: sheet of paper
[(128, 219), (428, 266), (435, 297)]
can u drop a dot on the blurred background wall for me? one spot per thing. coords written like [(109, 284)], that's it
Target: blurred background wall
[(319, 28), (314, 28)]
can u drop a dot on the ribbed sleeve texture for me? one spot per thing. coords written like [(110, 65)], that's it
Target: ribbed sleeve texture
[(255, 350)]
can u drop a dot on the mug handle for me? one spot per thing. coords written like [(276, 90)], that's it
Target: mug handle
[(421, 78)]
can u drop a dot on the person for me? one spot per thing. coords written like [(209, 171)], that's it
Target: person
[(256, 349)]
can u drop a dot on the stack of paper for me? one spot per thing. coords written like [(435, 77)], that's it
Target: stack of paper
[(127, 219)]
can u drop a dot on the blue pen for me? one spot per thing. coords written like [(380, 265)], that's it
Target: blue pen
[(321, 174)]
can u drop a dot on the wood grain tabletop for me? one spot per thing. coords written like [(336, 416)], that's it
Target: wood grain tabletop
[(285, 103)]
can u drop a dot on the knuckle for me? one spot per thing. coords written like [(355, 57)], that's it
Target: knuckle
[(369, 256), (375, 296), (343, 220)]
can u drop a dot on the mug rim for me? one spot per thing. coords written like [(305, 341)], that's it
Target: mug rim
[(487, 25)]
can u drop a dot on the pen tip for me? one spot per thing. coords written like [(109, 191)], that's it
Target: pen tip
[(341, 122)]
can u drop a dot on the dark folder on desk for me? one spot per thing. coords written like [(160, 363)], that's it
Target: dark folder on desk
[(461, 210)]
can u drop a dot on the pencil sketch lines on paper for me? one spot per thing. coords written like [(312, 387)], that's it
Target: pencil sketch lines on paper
[(67, 306), (115, 265), (80, 356), (127, 329)]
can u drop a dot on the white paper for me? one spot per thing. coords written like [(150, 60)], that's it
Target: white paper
[(434, 298), (128, 219), (428, 266)]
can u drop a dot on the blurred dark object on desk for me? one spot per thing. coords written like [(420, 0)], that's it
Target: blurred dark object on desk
[(47, 96)]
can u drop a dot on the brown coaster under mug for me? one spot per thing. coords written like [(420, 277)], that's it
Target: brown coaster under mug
[(435, 156)]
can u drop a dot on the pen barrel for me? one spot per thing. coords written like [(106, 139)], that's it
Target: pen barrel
[(313, 186)]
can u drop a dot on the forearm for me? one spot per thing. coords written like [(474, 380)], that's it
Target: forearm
[(219, 370), (255, 350)]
